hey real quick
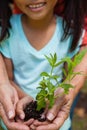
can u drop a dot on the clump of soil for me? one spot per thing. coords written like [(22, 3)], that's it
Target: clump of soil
[(32, 112)]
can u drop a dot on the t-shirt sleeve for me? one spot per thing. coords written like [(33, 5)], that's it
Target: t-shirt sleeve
[(4, 48), (73, 53)]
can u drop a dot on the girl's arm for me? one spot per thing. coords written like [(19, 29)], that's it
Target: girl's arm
[(79, 80), (21, 94), (9, 68), (3, 73), (9, 97), (8, 94)]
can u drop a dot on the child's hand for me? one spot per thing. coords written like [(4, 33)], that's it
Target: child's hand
[(61, 103), (21, 105)]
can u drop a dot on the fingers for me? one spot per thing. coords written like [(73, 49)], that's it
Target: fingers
[(37, 123), (20, 108), (9, 98), (54, 110), (57, 122), (62, 116), (15, 97), (50, 126), (61, 108), (29, 122), (21, 105), (59, 101), (11, 124), (9, 107)]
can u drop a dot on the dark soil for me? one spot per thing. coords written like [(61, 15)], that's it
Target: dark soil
[(32, 112)]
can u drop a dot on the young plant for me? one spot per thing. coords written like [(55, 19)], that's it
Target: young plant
[(46, 86)]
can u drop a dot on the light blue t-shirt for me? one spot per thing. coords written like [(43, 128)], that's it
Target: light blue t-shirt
[(29, 62)]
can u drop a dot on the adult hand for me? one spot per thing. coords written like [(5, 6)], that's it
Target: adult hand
[(10, 123), (8, 98), (8, 94), (59, 112)]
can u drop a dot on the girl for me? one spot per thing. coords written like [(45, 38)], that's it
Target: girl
[(39, 20)]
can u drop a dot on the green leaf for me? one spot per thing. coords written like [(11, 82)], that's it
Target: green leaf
[(58, 63), (69, 63), (42, 85), (49, 60), (50, 87), (44, 74), (55, 77), (79, 56), (64, 72), (41, 104), (54, 58), (51, 100), (66, 87)]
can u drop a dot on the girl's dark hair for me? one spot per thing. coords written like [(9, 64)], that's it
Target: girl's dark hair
[(73, 11), (5, 13)]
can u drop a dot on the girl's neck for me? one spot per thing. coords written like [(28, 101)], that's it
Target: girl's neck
[(38, 24), (39, 32)]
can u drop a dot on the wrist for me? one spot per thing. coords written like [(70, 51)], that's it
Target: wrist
[(20, 92), (73, 92), (4, 83)]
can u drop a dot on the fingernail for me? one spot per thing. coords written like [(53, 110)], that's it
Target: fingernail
[(50, 116), (22, 116), (26, 129), (10, 114)]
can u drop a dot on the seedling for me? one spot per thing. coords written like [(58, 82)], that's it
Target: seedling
[(46, 86)]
